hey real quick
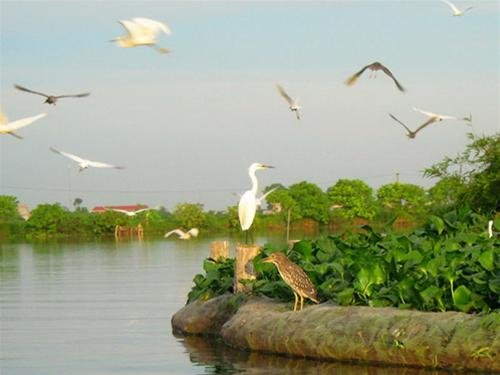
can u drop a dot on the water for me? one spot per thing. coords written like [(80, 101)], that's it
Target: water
[(105, 307)]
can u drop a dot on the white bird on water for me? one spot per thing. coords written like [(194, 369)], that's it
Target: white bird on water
[(7, 127), (293, 103), (193, 232), (129, 213), (84, 163), (456, 12), (249, 201), (142, 32)]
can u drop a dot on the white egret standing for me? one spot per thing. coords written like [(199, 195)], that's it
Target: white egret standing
[(249, 201)]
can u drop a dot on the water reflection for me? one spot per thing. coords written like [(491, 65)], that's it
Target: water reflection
[(218, 358)]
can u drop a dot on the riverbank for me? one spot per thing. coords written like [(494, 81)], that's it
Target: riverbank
[(389, 336)]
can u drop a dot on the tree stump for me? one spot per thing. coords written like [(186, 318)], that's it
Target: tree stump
[(219, 250), (244, 266)]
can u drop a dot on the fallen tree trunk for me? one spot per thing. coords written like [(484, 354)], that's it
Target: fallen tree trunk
[(449, 340)]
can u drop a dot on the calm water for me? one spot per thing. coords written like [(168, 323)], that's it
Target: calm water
[(105, 307)]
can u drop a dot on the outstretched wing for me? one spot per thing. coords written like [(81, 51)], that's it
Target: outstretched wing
[(179, 232), (22, 122), (283, 93), (430, 114), (401, 123), (352, 79), (118, 210), (428, 122), (389, 73), (152, 25), (73, 96), (68, 155), (98, 164), (452, 6), (30, 91)]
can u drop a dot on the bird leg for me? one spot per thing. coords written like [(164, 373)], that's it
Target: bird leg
[(296, 301), (246, 237), (301, 302)]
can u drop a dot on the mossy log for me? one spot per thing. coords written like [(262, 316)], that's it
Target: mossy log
[(390, 336)]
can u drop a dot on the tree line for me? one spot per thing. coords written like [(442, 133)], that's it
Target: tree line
[(471, 179)]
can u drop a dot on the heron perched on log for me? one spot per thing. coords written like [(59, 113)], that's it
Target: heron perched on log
[(294, 277)]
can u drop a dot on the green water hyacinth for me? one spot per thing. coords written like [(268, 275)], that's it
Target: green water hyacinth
[(449, 264)]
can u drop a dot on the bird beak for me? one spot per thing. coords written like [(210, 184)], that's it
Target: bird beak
[(266, 260), (267, 166)]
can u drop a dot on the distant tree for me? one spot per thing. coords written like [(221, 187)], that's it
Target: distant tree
[(47, 219), (402, 199), (77, 202), (282, 197), (8, 209), (478, 169), (233, 220), (446, 193), (189, 215), (311, 201), (355, 198)]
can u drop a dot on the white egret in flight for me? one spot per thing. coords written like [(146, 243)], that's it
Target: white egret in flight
[(293, 103), (249, 201), (142, 32), (7, 127), (456, 12), (129, 213), (84, 163), (374, 67), (434, 117), (51, 99), (193, 232)]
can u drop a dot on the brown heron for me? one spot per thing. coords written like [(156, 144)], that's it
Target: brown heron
[(412, 134), (51, 99), (293, 103), (294, 277), (374, 67)]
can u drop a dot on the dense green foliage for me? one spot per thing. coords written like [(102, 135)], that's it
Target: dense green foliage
[(449, 264), (478, 170), (354, 198)]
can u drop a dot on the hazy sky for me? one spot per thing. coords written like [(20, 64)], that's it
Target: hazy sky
[(188, 124)]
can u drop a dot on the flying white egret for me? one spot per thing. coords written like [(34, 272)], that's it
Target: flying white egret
[(7, 127), (293, 103), (374, 67), (84, 163), (193, 232), (249, 201), (456, 12), (51, 99), (413, 133), (142, 32), (129, 213), (434, 117)]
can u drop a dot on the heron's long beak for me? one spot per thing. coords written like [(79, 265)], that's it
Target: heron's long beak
[(267, 260), (267, 166)]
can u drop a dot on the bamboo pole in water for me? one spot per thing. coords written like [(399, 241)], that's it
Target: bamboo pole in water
[(219, 250), (244, 266)]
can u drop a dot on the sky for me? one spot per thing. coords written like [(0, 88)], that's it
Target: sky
[(187, 125)]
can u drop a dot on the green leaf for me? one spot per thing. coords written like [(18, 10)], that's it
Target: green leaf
[(437, 224), (487, 260), (462, 298)]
